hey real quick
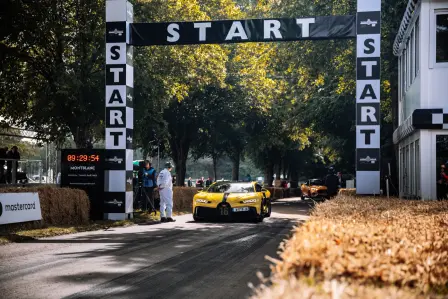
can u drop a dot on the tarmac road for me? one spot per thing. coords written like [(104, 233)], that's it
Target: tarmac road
[(170, 260)]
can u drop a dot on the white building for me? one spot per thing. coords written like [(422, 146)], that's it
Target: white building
[(422, 135)]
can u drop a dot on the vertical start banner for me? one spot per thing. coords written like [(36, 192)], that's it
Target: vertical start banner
[(118, 194), (368, 87)]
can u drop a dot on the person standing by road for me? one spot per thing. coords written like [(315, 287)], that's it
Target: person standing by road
[(208, 182), (149, 183), (189, 182), (3, 155), (165, 185), (12, 154), (442, 183), (332, 183)]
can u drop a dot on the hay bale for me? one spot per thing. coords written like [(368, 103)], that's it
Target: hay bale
[(183, 198), (276, 193), (347, 192), (368, 241), (59, 206)]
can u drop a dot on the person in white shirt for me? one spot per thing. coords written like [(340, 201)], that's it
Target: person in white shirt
[(58, 179), (165, 185)]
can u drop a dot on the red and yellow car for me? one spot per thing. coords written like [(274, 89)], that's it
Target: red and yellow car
[(314, 188), (228, 201)]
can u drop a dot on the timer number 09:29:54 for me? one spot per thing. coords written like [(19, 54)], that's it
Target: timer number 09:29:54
[(83, 158)]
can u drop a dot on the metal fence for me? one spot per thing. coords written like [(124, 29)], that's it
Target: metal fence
[(23, 172)]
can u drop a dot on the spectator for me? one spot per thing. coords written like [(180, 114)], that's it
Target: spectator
[(249, 178), (149, 183), (208, 182), (189, 182), (12, 154), (442, 183), (200, 183), (332, 182), (3, 155)]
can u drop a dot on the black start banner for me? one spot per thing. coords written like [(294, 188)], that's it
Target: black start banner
[(234, 31)]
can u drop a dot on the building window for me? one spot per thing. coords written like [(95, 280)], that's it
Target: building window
[(441, 159), (399, 78), (412, 57), (403, 73), (417, 46), (417, 167), (412, 170), (406, 171), (402, 171), (442, 37), (405, 64)]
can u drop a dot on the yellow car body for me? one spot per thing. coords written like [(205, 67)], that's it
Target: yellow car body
[(314, 188), (228, 200)]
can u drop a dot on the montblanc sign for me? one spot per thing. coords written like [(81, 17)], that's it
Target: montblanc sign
[(237, 31)]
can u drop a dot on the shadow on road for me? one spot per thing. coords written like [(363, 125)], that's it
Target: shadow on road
[(185, 259)]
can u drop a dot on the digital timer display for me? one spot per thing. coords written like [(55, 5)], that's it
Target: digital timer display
[(83, 158), (84, 169)]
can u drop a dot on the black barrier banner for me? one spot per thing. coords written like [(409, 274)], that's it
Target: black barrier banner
[(238, 31)]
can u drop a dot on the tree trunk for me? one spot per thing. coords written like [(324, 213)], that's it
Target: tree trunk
[(180, 161), (268, 174), (289, 173), (294, 178), (215, 161), (180, 146), (181, 169), (236, 167), (82, 138), (283, 170), (277, 171)]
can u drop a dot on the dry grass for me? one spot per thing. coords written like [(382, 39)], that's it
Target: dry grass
[(63, 213), (305, 288), (276, 193), (19, 235), (59, 206), (183, 198), (347, 192), (400, 246)]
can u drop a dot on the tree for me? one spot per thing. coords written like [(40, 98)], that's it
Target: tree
[(14, 137), (223, 111), (52, 68)]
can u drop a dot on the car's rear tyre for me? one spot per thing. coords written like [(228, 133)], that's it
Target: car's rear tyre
[(269, 209), (258, 219), (302, 197)]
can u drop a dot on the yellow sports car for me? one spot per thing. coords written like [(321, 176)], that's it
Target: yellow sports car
[(231, 201)]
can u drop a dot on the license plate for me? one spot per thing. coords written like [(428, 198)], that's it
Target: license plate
[(240, 209)]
